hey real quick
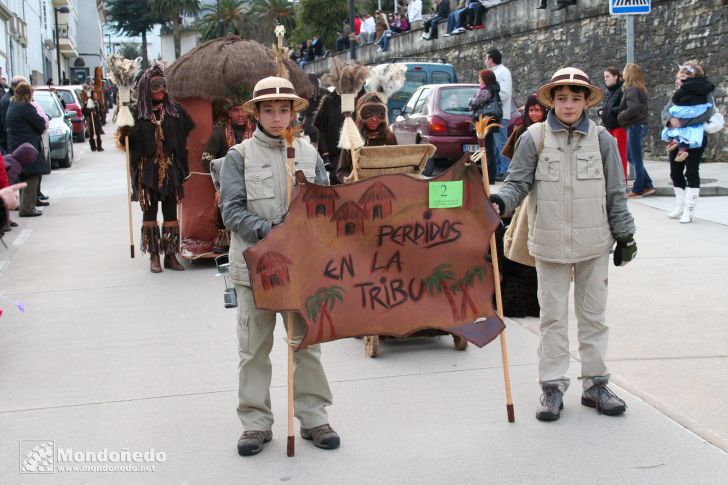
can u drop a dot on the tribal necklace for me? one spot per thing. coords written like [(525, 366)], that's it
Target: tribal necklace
[(162, 159)]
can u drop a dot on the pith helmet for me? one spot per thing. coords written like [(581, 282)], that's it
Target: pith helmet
[(275, 88), (569, 76)]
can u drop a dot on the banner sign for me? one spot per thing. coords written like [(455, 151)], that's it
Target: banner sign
[(374, 258)]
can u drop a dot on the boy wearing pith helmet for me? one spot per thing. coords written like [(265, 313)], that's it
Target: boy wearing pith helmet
[(253, 196), (576, 210)]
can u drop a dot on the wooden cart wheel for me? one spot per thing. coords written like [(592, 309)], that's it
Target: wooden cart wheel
[(460, 342), (371, 345)]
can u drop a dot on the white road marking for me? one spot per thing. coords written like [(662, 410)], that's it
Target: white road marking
[(22, 237)]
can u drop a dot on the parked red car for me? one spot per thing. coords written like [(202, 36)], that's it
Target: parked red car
[(72, 104), (438, 114)]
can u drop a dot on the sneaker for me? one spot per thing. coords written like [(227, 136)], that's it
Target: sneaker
[(552, 402), (379, 49), (671, 145), (682, 154), (599, 396), (649, 191), (322, 436), (251, 442), (426, 36), (459, 30), (634, 195), (447, 35)]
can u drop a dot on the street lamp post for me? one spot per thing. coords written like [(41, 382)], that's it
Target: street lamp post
[(58, 45)]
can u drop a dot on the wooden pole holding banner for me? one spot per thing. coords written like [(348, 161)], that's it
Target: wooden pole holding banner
[(289, 135), (482, 126)]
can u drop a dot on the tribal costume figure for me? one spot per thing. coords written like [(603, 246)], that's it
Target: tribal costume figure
[(238, 127), (158, 157)]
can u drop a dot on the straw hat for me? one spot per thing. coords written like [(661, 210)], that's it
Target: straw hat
[(569, 76), (275, 88)]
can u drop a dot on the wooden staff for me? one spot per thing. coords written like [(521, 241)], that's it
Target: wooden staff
[(128, 196), (482, 127), (289, 135)]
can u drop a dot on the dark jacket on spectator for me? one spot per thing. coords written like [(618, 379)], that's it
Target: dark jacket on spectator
[(610, 108), (4, 103), (25, 125), (633, 108)]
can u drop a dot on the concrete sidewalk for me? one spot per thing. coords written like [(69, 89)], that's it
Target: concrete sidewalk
[(109, 356)]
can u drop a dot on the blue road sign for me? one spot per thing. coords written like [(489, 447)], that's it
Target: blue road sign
[(629, 7)]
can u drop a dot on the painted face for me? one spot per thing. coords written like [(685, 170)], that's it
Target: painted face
[(237, 115), (535, 113), (158, 88), (569, 106), (274, 116), (373, 116), (610, 79)]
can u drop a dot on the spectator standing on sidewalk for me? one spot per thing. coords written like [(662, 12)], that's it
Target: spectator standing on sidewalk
[(494, 59), (610, 109), (4, 103), (633, 116), (24, 124), (685, 175), (580, 214)]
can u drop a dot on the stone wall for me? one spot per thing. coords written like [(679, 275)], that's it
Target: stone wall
[(535, 43)]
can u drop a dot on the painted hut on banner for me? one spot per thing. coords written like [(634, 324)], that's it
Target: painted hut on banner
[(201, 81)]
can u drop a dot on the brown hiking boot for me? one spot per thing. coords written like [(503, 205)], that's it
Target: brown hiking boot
[(154, 265), (251, 442), (322, 436)]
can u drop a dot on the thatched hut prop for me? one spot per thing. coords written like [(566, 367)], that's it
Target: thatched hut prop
[(201, 81), (391, 159)]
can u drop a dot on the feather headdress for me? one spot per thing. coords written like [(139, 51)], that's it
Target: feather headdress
[(124, 72), (349, 84), (386, 79)]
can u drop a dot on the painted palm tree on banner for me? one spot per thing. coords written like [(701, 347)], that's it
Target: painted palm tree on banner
[(437, 281), (463, 286), (320, 304), (173, 10)]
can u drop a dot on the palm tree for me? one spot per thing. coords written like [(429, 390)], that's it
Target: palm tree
[(437, 281), (173, 10), (231, 15), (281, 11), (319, 306), (463, 284)]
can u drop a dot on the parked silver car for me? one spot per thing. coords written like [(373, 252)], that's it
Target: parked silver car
[(60, 133)]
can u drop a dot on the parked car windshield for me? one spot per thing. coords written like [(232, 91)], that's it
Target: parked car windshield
[(413, 80), (50, 106), (455, 101)]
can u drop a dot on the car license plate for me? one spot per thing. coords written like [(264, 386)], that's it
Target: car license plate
[(470, 148)]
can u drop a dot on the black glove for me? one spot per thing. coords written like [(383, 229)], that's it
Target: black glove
[(496, 199), (625, 251)]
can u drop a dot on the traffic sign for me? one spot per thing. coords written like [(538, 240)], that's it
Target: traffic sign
[(629, 7)]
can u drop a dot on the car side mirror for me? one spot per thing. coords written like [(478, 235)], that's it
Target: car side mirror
[(69, 115), (397, 112)]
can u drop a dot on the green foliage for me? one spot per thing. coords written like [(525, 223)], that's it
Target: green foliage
[(130, 17), (321, 17), (323, 298), (436, 281), (232, 15), (129, 50)]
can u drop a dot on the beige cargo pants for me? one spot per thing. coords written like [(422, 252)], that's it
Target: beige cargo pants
[(255, 341), (590, 303)]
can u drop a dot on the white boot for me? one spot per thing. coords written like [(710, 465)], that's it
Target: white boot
[(691, 200), (679, 203)]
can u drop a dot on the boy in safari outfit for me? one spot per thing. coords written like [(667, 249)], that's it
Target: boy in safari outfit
[(250, 207), (577, 208)]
